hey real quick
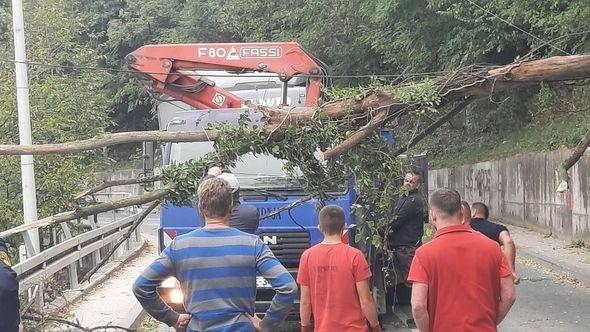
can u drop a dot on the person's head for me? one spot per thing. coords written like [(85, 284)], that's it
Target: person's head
[(332, 220), (480, 210), (412, 180), (445, 208), (215, 199), (466, 213), (233, 183)]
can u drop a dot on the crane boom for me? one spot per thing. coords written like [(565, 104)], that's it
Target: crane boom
[(167, 67)]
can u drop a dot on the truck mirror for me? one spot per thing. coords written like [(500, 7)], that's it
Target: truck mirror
[(149, 149)]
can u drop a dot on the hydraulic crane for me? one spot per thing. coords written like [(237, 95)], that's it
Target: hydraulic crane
[(171, 67)]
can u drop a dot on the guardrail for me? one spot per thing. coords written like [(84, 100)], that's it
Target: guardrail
[(35, 271), (43, 265)]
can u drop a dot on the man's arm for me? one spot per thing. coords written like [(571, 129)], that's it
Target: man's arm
[(305, 306), (367, 304), (420, 306), (509, 250), (145, 286), (507, 297), (281, 281)]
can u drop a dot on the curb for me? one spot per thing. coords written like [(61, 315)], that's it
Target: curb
[(560, 267), (139, 317)]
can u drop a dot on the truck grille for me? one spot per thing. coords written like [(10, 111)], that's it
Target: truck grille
[(286, 246)]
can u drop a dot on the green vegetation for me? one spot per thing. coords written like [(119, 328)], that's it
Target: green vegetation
[(351, 37), (553, 118)]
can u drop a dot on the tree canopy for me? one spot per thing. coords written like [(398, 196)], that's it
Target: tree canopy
[(411, 37)]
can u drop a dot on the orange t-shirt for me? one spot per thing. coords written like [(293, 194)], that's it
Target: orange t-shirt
[(463, 269), (331, 271)]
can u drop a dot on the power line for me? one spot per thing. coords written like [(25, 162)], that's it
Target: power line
[(518, 28), (117, 70)]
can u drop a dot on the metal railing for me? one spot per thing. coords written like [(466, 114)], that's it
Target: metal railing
[(43, 265), (34, 271)]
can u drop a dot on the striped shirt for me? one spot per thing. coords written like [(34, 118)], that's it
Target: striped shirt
[(217, 273)]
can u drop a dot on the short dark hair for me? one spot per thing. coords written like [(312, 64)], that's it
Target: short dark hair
[(332, 219), (446, 200), (481, 208), (214, 198), (415, 172)]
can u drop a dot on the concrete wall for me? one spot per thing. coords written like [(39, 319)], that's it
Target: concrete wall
[(521, 190), (134, 189)]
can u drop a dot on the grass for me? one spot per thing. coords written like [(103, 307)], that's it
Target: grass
[(565, 132), (579, 244)]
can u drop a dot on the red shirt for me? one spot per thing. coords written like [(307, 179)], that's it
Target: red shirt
[(331, 271), (463, 269)]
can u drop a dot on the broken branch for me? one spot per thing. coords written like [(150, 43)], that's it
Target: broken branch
[(89, 210), (108, 184), (127, 235), (434, 126), (105, 140), (571, 161)]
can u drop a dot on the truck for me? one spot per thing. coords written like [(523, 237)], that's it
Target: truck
[(204, 84)]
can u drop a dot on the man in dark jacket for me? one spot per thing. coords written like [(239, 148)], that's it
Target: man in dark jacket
[(244, 217), (407, 229), (9, 303)]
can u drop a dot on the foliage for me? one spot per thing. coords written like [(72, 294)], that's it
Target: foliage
[(370, 166), (407, 37), (66, 105)]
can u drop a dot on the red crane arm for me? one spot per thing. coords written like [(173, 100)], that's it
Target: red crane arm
[(164, 63)]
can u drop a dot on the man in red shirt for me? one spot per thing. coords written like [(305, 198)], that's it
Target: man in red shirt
[(461, 280), (334, 282)]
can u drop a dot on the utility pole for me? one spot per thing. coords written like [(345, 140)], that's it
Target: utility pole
[(24, 128)]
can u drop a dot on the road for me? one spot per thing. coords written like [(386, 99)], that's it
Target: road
[(546, 301)]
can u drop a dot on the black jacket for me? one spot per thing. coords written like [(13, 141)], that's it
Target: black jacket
[(9, 303), (409, 216), (244, 217)]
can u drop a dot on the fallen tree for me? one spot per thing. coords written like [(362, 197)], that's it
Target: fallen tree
[(335, 128)]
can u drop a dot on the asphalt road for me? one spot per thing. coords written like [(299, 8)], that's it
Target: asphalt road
[(546, 301)]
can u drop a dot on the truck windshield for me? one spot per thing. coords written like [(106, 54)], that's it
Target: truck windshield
[(260, 171)]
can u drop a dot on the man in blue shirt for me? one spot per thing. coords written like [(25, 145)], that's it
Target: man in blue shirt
[(216, 266)]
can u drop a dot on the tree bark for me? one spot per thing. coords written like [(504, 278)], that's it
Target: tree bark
[(105, 140), (571, 161), (465, 82)]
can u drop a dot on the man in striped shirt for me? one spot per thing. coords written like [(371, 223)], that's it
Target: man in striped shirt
[(216, 266)]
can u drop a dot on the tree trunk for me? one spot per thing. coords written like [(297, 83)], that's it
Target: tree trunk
[(468, 81)]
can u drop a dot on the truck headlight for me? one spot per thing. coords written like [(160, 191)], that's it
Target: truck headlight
[(170, 283), (176, 296)]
